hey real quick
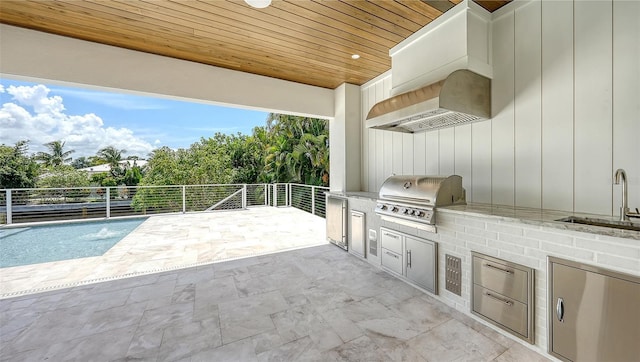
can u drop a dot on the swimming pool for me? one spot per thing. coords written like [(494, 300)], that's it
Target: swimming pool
[(40, 244)]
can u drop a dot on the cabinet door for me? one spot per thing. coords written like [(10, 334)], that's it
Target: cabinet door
[(357, 238), (421, 261), (594, 317)]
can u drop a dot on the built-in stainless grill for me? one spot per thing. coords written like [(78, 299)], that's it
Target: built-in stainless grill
[(410, 200)]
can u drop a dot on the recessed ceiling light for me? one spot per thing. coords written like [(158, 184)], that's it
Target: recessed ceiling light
[(258, 4), (355, 56)]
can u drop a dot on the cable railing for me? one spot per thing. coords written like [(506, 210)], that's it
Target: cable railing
[(74, 203)]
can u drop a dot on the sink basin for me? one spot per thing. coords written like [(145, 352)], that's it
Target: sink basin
[(624, 225)]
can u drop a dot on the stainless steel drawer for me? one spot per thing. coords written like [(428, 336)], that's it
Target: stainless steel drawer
[(392, 261), (501, 277), (505, 311), (391, 241)]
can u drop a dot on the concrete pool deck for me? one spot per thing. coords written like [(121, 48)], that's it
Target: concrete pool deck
[(167, 242)]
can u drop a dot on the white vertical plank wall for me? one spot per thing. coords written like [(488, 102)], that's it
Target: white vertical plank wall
[(407, 154), (481, 162), (527, 106), (626, 99), (565, 104), (420, 153), (447, 151), (557, 105), (502, 102), (462, 157), (433, 153), (593, 106)]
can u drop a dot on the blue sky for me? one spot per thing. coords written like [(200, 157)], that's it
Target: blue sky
[(89, 120)]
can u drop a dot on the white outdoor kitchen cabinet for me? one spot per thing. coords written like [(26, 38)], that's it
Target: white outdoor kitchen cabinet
[(409, 257)]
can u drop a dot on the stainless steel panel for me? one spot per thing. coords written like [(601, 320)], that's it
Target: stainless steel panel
[(391, 240), (421, 263), (594, 313), (507, 312), (357, 237), (510, 283), (453, 277), (501, 277), (336, 219), (392, 261), (423, 190)]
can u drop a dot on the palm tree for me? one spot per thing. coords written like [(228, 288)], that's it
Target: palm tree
[(111, 155), (57, 156)]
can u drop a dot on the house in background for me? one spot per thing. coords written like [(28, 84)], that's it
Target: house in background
[(125, 164)]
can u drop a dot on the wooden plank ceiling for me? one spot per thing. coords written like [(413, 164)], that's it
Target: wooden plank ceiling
[(304, 41)]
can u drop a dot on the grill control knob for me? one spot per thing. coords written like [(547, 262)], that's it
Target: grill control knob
[(394, 209), (419, 213), (382, 206), (405, 211)]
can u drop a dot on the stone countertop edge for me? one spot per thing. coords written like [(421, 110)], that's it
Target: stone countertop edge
[(539, 217), (356, 194)]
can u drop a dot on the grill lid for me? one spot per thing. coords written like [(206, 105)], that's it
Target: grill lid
[(430, 191)]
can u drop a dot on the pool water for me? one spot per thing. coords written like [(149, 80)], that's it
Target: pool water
[(41, 244)]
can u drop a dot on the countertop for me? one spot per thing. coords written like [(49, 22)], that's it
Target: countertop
[(541, 217), (356, 194), (530, 216)]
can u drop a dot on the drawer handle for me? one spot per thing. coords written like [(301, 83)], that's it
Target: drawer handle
[(391, 254), (560, 310), (409, 258), (506, 271), (507, 302), (391, 235)]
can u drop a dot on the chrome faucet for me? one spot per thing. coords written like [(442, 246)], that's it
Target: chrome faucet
[(616, 180)]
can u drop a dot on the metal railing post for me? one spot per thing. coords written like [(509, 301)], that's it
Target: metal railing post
[(266, 194), (9, 211), (244, 196), (184, 199), (313, 200), (108, 202), (275, 195)]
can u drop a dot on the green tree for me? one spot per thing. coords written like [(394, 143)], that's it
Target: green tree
[(81, 162), (63, 176), (297, 150), (17, 170), (110, 155), (56, 155)]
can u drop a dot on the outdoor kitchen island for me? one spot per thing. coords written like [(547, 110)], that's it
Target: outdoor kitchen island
[(517, 235)]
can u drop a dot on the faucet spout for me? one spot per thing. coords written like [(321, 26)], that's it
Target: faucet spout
[(624, 209)]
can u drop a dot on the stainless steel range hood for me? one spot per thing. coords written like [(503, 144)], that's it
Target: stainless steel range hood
[(463, 97)]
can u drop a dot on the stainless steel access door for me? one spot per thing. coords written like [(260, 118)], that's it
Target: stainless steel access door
[(357, 239), (595, 315), (336, 217)]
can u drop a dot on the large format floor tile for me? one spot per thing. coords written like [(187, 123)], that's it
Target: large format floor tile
[(312, 304), (166, 242)]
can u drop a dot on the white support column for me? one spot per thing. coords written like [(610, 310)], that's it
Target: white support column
[(345, 138)]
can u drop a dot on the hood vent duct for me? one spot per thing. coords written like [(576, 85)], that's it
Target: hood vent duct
[(461, 98)]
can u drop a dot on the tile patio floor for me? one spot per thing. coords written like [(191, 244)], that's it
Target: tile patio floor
[(311, 304), (172, 241)]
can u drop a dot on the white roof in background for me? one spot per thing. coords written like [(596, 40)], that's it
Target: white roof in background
[(105, 167)]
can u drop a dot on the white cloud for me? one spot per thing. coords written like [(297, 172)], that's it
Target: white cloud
[(35, 116)]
